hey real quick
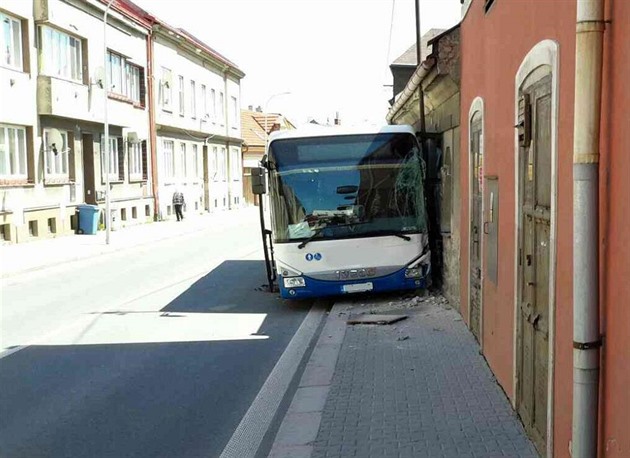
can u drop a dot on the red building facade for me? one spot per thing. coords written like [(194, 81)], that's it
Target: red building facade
[(516, 277)]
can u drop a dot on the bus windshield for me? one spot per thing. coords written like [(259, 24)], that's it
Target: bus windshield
[(345, 186)]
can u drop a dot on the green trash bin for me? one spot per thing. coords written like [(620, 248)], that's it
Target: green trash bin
[(88, 219)]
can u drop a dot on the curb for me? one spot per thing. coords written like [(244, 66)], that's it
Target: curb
[(300, 425)]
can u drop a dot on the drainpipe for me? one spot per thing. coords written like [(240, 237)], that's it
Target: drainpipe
[(586, 334), (152, 130), (413, 84)]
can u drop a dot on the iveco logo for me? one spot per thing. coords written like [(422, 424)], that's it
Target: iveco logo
[(355, 273)]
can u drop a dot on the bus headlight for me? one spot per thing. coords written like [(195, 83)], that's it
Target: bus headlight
[(413, 273), (294, 282)]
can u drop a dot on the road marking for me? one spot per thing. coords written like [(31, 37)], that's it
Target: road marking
[(249, 434)]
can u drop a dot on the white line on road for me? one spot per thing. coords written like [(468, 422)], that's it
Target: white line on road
[(249, 433)]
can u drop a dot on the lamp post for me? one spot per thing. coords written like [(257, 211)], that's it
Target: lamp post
[(108, 216), (265, 110)]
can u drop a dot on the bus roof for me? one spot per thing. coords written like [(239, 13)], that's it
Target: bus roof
[(323, 131)]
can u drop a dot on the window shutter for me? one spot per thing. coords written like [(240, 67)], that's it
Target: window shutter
[(145, 165), (143, 88), (121, 159)]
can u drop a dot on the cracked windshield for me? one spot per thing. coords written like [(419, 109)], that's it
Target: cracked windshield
[(360, 185)]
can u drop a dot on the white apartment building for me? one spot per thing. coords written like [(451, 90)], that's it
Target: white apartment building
[(52, 116), (197, 116)]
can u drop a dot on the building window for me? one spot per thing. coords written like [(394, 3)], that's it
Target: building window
[(113, 157), (221, 108), (56, 156), (125, 79), (166, 90), (182, 159), (195, 149), (204, 103), (135, 80), (235, 165), (12, 152), (213, 105), (11, 42), (214, 163), (169, 158), (223, 164), (182, 100), (135, 161), (61, 54), (234, 112), (193, 100)]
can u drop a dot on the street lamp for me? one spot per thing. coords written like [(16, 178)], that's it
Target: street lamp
[(108, 216), (265, 110)]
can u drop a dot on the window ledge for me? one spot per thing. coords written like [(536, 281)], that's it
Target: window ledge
[(8, 182), (138, 179), (57, 181), (124, 99)]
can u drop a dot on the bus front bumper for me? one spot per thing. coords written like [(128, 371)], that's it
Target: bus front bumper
[(320, 288)]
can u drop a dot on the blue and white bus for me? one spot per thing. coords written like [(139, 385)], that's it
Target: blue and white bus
[(347, 211)]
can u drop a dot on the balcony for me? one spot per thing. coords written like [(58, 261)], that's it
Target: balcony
[(59, 97)]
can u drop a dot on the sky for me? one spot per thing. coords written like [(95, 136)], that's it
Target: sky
[(330, 55)]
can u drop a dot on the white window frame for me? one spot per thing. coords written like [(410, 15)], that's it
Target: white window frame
[(13, 159), (234, 112), (223, 170), (135, 160), (214, 163), (13, 57), (169, 158), (235, 165), (134, 74), (193, 99), (195, 155), (126, 75), (222, 108), (182, 160), (59, 58), (113, 157), (204, 103), (182, 96), (166, 91), (56, 164), (213, 105)]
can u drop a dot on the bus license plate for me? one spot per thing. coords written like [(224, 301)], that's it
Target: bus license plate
[(357, 288)]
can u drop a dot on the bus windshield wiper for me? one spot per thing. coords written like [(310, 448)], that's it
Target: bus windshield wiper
[(393, 232), (321, 228)]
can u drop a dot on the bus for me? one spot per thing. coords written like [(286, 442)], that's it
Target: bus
[(347, 211)]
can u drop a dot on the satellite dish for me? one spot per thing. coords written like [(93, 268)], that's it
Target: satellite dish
[(99, 76), (55, 141), (132, 137)]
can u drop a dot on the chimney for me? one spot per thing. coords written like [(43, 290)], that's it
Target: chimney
[(337, 120), (250, 107), (259, 109)]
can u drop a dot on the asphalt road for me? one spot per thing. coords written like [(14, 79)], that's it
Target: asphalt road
[(155, 352)]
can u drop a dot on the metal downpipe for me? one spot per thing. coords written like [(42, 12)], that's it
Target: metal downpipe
[(586, 333)]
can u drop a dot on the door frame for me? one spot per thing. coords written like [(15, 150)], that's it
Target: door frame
[(543, 54), (476, 106)]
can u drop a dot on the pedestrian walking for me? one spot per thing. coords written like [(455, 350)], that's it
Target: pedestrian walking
[(178, 203)]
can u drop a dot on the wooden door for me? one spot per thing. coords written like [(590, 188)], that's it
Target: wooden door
[(476, 150), (89, 181), (535, 216)]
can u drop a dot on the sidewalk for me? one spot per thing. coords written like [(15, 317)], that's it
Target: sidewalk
[(30, 256), (415, 388)]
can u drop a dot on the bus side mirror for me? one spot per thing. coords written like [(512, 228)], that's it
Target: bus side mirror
[(259, 181)]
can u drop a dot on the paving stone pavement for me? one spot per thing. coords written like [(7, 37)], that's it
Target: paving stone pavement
[(418, 388)]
